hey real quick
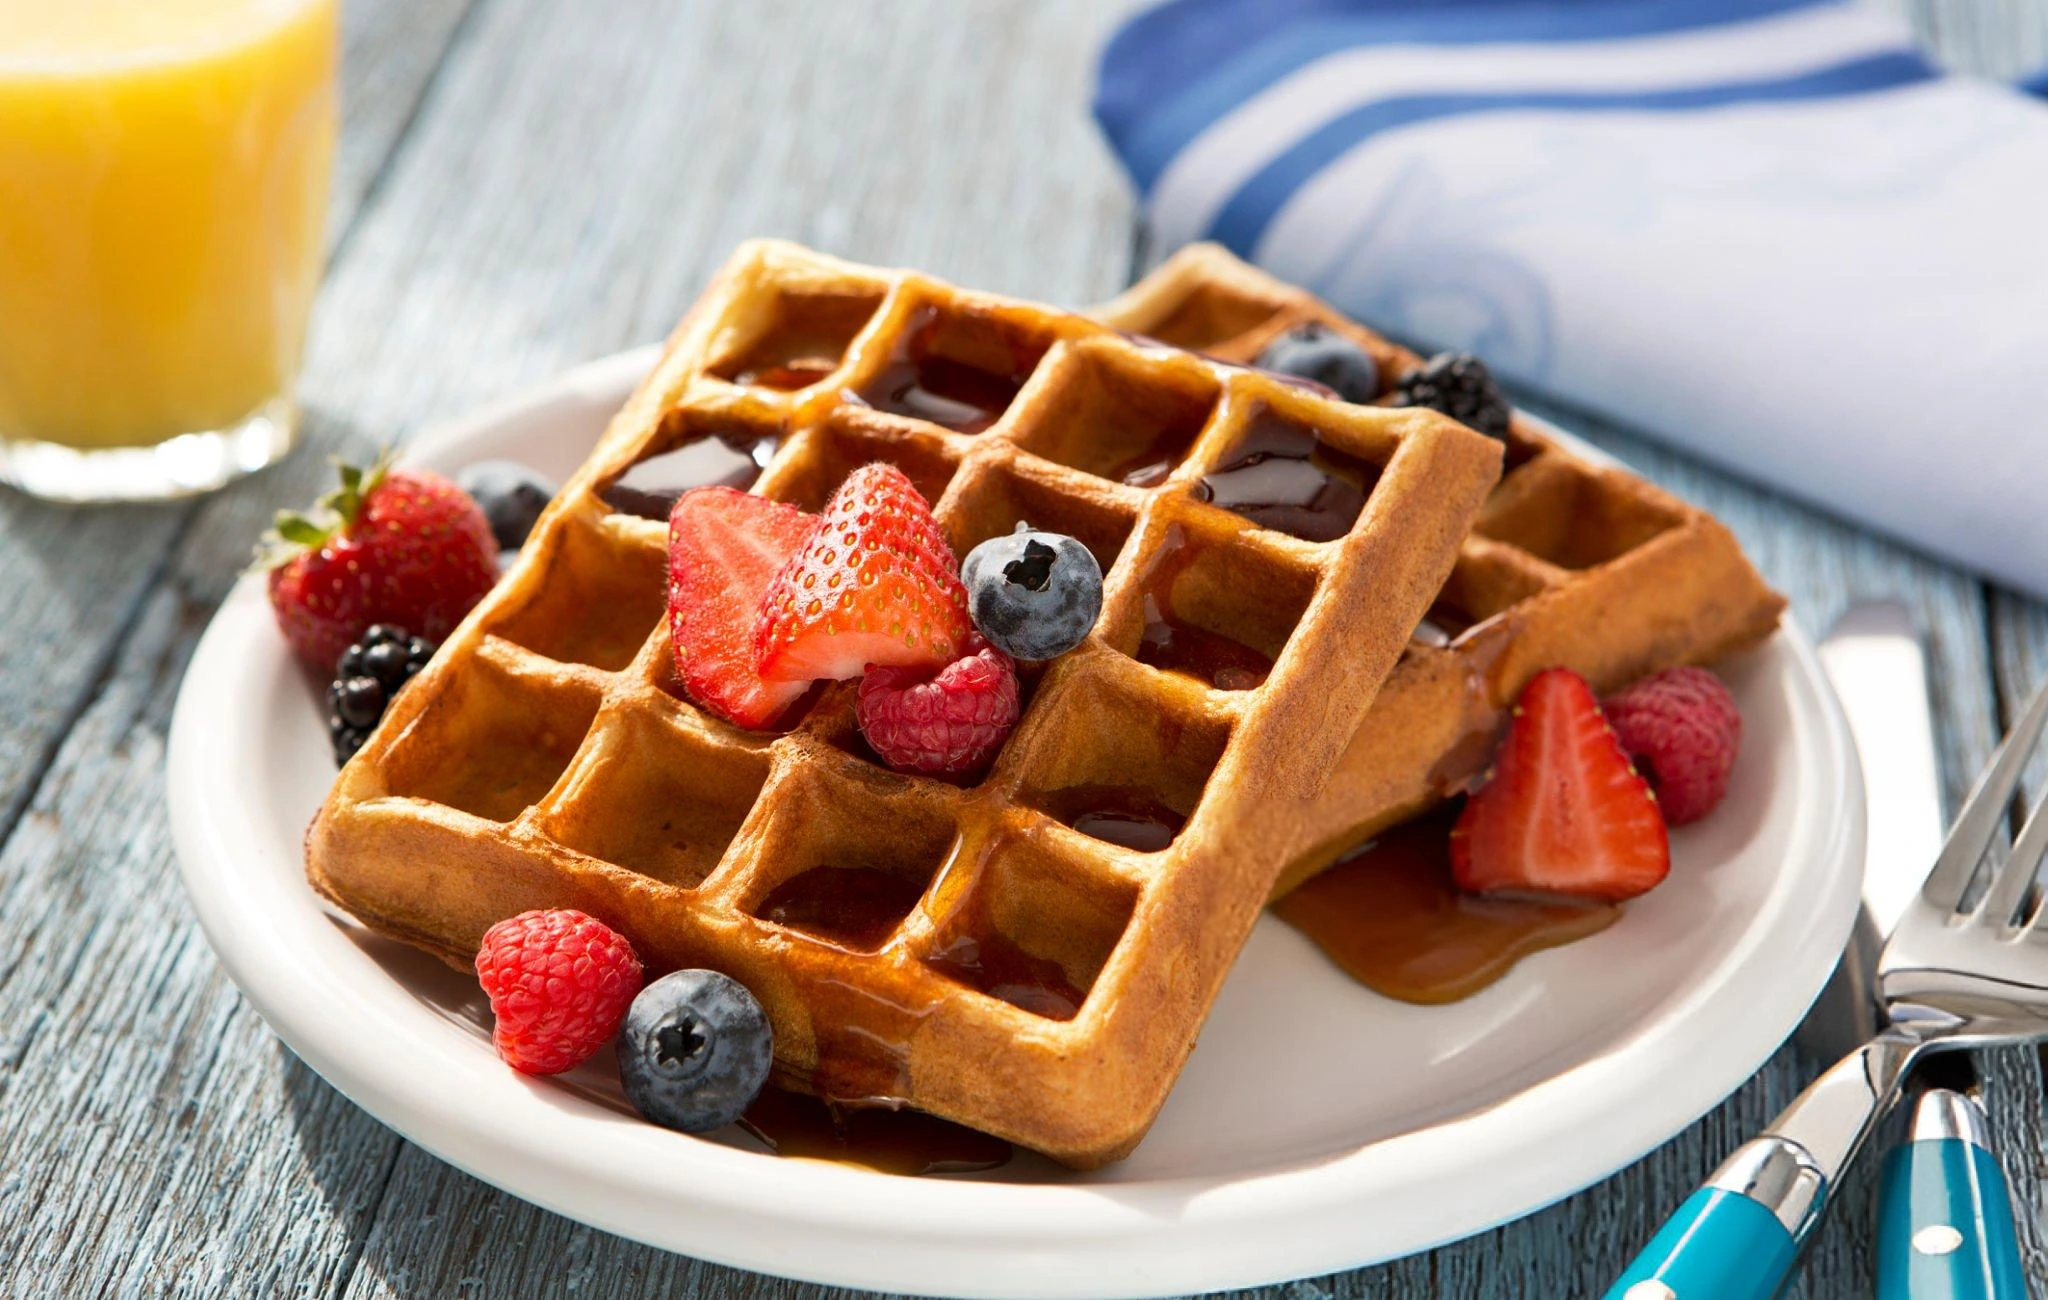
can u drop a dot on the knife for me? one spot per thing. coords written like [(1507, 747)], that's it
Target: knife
[(1945, 1227), (1874, 661), (1944, 1221)]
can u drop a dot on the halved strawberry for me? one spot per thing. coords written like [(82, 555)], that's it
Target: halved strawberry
[(1565, 813), (724, 547), (875, 584)]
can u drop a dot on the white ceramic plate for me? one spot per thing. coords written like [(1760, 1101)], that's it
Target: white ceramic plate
[(1318, 1126)]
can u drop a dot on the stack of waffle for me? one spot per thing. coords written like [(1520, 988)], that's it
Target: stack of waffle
[(963, 950), (1269, 687)]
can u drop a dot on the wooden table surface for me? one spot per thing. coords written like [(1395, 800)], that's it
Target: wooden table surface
[(525, 184)]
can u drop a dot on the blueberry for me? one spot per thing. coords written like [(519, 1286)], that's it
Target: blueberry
[(694, 1051), (511, 496), (1033, 595), (361, 701), (350, 664), (1320, 353), (383, 634)]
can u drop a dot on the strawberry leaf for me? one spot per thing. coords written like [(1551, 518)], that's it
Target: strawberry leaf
[(336, 511), (300, 530)]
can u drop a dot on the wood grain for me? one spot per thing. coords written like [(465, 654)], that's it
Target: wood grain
[(523, 185)]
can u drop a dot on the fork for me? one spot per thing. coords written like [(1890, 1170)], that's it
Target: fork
[(1962, 969)]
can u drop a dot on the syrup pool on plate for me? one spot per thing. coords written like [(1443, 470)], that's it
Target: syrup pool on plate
[(1390, 915), (890, 1141)]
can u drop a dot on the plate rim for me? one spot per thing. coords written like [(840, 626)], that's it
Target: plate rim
[(840, 1226)]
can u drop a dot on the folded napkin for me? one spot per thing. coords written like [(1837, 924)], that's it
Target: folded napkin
[(1765, 230)]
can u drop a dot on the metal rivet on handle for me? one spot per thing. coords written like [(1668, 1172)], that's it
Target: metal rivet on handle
[(1651, 1290), (1937, 1239)]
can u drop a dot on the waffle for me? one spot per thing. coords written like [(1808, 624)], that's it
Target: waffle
[(957, 948), (1569, 563)]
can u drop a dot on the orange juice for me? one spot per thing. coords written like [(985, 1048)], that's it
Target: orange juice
[(163, 185)]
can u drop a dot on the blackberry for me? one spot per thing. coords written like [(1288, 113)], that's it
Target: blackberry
[(366, 676), (1459, 385)]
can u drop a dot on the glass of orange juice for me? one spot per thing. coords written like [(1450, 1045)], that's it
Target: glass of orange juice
[(163, 192)]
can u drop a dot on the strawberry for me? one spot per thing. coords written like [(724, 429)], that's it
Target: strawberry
[(724, 546), (389, 545), (1565, 813), (875, 584)]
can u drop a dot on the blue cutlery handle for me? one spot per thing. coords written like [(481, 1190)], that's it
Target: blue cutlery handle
[(1720, 1245), (1945, 1227)]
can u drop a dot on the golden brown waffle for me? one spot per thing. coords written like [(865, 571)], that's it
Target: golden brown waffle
[(954, 948), (1569, 564)]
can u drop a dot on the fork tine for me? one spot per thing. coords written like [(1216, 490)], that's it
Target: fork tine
[(1985, 809), (2016, 874)]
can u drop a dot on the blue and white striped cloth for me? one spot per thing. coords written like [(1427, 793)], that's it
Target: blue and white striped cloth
[(1766, 230)]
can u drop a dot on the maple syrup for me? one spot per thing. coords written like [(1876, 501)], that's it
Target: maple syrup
[(891, 1141), (988, 961), (788, 376), (856, 908), (1122, 815), (1154, 463), (1391, 916), (1280, 476), (921, 382), (1169, 643), (733, 459), (1442, 625)]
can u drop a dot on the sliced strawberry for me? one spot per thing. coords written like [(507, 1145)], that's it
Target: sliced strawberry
[(1565, 813), (724, 547), (875, 584)]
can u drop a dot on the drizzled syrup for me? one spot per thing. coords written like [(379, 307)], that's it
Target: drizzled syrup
[(856, 908), (905, 1141), (1120, 815), (798, 372), (1390, 915), (1442, 625), (986, 960), (1280, 476), (922, 383), (650, 488), (1174, 645), (1152, 465)]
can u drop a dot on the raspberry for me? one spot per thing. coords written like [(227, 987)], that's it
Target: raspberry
[(560, 983), (1683, 730), (943, 724)]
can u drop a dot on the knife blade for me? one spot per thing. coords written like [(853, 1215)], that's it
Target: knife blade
[(1874, 660)]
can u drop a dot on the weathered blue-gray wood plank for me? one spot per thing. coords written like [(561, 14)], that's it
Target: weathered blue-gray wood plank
[(524, 185)]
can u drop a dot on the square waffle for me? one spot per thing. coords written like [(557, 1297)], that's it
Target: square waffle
[(954, 948), (1570, 563)]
